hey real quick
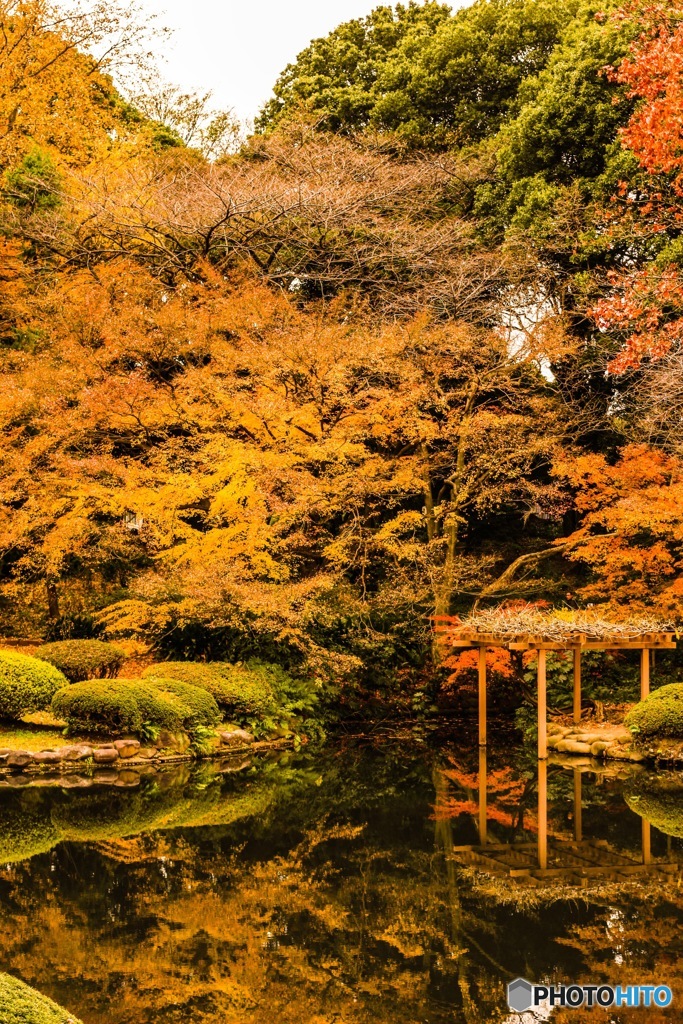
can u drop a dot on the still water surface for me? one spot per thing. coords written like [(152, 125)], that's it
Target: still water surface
[(347, 886)]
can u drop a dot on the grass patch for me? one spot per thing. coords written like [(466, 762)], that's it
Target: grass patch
[(31, 738)]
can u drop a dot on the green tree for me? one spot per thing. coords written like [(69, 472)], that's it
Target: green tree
[(430, 76), (34, 184)]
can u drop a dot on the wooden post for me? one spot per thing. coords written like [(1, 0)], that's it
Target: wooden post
[(577, 686), (644, 673), (542, 814), (482, 696), (482, 796), (542, 709), (578, 821), (647, 850)]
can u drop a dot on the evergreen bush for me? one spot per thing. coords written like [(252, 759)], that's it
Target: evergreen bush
[(26, 684), (198, 706), (660, 714), (121, 706), (21, 1004), (83, 659), (238, 689), (100, 706)]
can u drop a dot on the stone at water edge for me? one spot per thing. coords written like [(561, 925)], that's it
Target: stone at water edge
[(599, 747), (19, 758), (47, 757), (75, 752), (589, 737), (127, 748), (573, 747), (235, 737), (147, 753), (168, 740), (621, 735), (105, 755)]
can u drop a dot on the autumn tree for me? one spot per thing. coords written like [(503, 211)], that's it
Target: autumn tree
[(229, 454), (56, 91), (631, 530), (642, 304)]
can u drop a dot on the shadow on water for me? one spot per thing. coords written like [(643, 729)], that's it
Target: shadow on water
[(362, 884)]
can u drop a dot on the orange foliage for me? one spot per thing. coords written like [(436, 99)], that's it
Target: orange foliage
[(53, 94), (645, 305), (465, 665), (631, 533)]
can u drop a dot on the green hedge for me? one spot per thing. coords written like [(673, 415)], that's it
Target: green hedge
[(83, 659), (198, 673), (21, 1004), (26, 684), (242, 690), (98, 705), (121, 706), (660, 714), (201, 708)]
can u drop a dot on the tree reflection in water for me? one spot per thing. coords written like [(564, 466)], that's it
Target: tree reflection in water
[(334, 888)]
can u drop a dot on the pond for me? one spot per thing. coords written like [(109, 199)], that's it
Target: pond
[(348, 886)]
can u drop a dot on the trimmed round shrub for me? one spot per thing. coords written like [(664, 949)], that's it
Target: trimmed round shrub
[(83, 659), (198, 706), (660, 714), (243, 690), (21, 1004), (26, 684), (115, 706), (249, 689), (198, 673), (101, 706)]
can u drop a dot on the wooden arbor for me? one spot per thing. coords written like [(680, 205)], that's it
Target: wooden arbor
[(562, 637)]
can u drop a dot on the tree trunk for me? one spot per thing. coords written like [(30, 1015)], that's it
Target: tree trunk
[(451, 525), (52, 599)]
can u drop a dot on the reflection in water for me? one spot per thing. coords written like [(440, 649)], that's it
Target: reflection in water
[(335, 889), (576, 860)]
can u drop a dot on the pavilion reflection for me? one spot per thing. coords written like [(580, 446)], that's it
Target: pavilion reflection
[(576, 860)]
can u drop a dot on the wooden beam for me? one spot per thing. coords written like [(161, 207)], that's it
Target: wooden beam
[(482, 796), (602, 645), (542, 707), (482, 696), (647, 848), (542, 815), (577, 686), (578, 816), (631, 645), (644, 674)]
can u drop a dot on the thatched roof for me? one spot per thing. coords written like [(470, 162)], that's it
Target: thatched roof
[(510, 624)]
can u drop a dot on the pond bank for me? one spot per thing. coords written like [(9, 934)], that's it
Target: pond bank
[(129, 754), (611, 741)]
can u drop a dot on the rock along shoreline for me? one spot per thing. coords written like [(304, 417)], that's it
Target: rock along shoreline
[(102, 758)]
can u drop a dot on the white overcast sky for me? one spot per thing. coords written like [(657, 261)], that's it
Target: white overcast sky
[(237, 48)]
